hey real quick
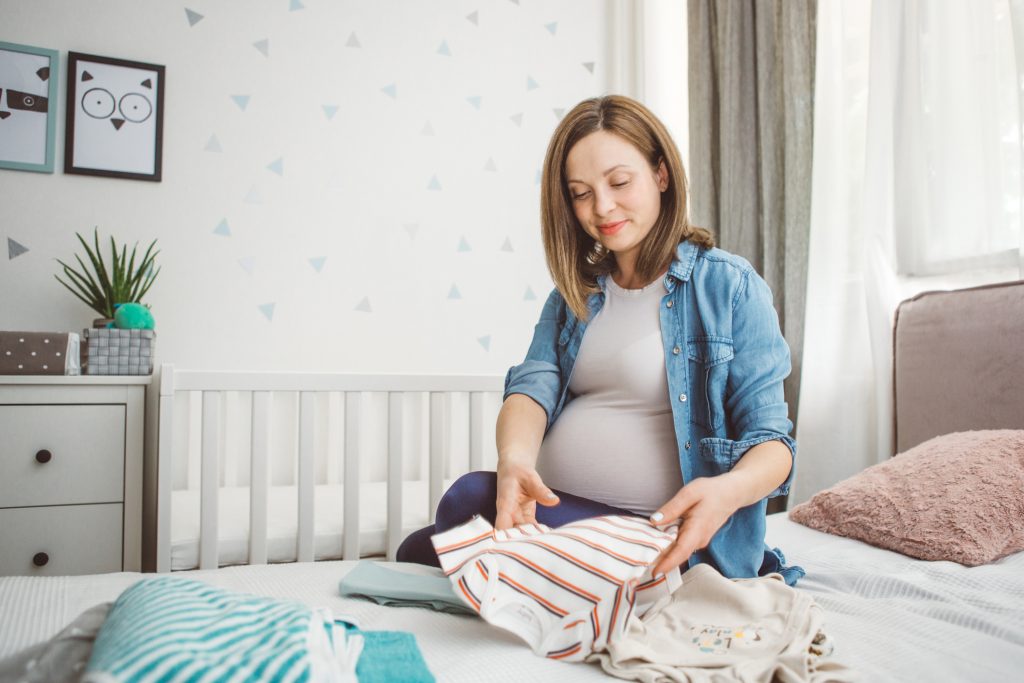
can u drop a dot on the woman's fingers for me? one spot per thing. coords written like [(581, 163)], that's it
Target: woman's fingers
[(507, 503), (691, 505), (688, 541), (503, 520), (536, 490), (518, 496), (528, 513), (674, 509)]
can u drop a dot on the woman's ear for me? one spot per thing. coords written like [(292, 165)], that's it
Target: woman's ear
[(662, 174)]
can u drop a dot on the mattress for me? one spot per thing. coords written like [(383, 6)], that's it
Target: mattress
[(282, 522), (895, 618), (892, 618)]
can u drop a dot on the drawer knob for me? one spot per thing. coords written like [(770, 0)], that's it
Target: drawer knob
[(40, 559), (44, 456)]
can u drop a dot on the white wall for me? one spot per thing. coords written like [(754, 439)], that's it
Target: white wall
[(355, 189)]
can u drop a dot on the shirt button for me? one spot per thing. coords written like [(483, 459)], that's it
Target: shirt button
[(682, 397), (669, 304), (675, 350), (687, 445)]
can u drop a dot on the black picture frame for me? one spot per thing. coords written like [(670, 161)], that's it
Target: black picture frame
[(115, 118)]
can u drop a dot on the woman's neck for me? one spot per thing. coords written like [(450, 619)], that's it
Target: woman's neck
[(627, 277), (629, 280)]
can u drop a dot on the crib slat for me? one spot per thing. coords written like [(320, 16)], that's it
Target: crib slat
[(439, 425), (307, 424), (258, 477), (350, 522), (395, 429), (165, 458), (229, 444), (193, 470), (331, 437), (476, 431), (209, 482)]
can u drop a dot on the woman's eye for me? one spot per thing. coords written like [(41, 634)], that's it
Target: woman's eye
[(581, 195), (622, 184)]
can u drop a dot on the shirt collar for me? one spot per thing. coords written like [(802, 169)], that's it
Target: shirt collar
[(682, 264)]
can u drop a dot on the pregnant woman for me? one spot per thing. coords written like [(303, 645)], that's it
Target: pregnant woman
[(653, 384)]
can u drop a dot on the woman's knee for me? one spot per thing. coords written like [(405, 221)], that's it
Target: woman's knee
[(417, 548), (471, 494)]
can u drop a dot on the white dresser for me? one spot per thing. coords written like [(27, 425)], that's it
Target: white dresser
[(71, 468)]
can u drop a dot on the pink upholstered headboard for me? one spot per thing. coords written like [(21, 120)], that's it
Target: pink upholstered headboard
[(959, 362)]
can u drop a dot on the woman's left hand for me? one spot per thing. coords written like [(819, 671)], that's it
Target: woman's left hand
[(703, 505)]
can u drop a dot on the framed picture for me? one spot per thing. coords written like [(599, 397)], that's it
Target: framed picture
[(28, 107), (115, 118)]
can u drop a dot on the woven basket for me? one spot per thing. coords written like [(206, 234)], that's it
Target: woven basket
[(119, 352)]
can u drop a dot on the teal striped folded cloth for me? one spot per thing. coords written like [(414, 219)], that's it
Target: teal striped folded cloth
[(170, 629)]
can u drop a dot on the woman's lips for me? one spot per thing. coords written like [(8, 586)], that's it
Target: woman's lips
[(611, 228)]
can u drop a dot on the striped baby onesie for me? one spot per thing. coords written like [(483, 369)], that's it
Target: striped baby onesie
[(171, 630), (568, 591)]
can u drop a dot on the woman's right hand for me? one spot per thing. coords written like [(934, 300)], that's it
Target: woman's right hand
[(519, 490)]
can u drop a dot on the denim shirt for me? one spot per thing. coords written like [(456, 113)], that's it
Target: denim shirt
[(725, 359)]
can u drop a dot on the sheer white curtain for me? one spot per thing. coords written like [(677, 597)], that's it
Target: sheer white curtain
[(956, 133), (835, 429), (916, 185)]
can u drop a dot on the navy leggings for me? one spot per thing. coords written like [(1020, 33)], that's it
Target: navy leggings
[(475, 494)]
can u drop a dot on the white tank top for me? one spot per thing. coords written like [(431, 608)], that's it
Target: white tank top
[(615, 442)]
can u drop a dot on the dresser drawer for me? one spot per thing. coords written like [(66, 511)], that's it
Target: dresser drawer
[(76, 539), (85, 443)]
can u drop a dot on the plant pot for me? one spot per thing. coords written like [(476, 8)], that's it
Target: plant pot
[(101, 323)]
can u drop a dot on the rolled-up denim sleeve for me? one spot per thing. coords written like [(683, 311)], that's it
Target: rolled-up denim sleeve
[(539, 376), (756, 404)]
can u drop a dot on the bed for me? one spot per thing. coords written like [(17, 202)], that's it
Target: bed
[(893, 618)]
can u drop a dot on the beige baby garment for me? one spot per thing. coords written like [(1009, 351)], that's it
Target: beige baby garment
[(713, 629)]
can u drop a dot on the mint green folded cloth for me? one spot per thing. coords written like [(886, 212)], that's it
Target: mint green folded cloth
[(390, 656), (394, 588)]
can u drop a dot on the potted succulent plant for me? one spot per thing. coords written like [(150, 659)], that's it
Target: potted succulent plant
[(103, 287)]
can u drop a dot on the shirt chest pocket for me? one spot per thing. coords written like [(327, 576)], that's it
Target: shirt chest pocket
[(709, 371)]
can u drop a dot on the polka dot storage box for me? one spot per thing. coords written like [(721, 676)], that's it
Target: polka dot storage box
[(39, 353)]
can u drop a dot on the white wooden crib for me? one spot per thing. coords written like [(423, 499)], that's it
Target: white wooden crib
[(361, 439)]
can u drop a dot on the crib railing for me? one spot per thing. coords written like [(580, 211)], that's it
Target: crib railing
[(264, 385)]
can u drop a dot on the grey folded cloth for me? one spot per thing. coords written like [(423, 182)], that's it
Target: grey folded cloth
[(60, 659), (394, 588)]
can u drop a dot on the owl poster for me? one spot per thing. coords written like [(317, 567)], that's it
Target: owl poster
[(114, 117), (28, 107)]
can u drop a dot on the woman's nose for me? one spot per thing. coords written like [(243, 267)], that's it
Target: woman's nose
[(604, 203)]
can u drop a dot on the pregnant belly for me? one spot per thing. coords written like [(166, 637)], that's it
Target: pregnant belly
[(614, 454)]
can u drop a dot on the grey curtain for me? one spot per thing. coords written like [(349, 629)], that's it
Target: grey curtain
[(751, 92)]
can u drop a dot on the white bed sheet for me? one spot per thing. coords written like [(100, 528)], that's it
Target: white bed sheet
[(895, 618), (456, 648), (892, 618)]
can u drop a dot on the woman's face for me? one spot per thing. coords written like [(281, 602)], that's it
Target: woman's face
[(615, 193)]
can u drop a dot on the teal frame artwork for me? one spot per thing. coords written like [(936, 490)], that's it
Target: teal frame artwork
[(28, 89)]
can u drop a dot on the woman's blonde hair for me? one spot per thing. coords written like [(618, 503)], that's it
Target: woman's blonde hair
[(575, 259)]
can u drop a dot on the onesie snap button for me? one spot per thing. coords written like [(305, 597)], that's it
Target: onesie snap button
[(675, 350), (687, 445), (669, 304), (682, 397)]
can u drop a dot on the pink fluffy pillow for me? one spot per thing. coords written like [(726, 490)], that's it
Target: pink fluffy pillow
[(957, 497)]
